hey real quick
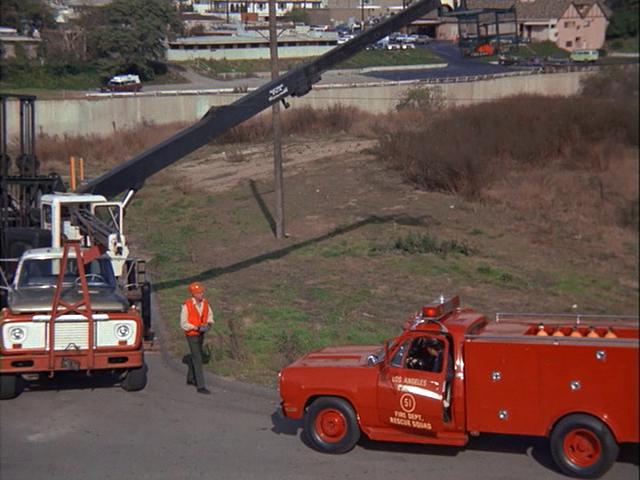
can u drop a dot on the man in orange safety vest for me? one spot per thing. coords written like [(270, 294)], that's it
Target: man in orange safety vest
[(196, 318)]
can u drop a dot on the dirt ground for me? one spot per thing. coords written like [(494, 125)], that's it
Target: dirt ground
[(340, 275)]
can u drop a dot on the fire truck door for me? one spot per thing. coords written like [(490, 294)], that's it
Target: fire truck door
[(411, 386)]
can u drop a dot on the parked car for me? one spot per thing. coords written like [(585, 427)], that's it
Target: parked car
[(422, 39), (508, 60), (585, 56), (123, 83)]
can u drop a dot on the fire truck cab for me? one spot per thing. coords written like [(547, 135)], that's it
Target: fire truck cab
[(453, 373)]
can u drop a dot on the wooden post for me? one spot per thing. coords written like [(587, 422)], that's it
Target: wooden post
[(81, 169), (72, 173), (277, 128)]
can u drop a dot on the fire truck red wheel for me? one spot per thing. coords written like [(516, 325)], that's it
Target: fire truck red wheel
[(582, 446), (11, 385), (331, 425)]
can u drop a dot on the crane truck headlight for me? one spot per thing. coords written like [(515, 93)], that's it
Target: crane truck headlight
[(18, 334), (123, 331)]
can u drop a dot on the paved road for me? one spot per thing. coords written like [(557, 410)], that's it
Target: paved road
[(457, 65), (75, 430)]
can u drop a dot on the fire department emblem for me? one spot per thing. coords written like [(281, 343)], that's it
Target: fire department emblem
[(407, 403)]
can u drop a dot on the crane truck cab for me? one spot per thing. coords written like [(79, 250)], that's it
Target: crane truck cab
[(68, 313), (97, 222), (82, 217), (453, 373)]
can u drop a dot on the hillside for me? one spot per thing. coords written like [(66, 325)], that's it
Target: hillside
[(366, 249), (525, 204)]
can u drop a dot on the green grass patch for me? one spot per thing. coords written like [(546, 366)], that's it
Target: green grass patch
[(32, 78), (541, 49), (495, 274), (216, 68), (574, 284), (380, 58), (23, 75), (424, 243), (366, 58)]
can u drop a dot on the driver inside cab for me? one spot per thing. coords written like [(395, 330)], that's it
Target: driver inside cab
[(425, 354)]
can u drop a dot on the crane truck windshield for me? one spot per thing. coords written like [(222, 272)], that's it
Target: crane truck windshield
[(43, 273)]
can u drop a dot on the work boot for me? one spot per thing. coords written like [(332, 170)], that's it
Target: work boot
[(190, 382), (204, 391)]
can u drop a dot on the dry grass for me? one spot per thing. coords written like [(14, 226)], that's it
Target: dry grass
[(571, 156), (583, 203), (333, 119), (100, 153), (462, 149)]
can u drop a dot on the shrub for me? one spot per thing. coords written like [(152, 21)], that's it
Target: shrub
[(424, 244), (462, 149)]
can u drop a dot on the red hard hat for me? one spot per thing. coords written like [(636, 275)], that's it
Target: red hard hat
[(196, 287)]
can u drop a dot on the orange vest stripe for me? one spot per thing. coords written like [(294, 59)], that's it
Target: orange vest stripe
[(194, 317)]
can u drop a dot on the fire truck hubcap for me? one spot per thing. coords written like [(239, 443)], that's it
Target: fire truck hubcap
[(582, 447), (331, 425)]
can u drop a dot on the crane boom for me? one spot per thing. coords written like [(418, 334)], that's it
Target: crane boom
[(218, 120)]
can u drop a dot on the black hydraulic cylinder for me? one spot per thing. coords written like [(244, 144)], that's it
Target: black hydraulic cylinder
[(218, 120), (145, 310)]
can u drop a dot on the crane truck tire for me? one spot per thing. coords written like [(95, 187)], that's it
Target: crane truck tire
[(11, 385), (582, 446), (135, 379), (331, 425)]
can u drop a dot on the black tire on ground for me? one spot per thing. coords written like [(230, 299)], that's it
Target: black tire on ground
[(11, 385), (331, 425), (582, 446), (135, 379)]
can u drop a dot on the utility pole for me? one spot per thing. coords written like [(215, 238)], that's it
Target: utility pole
[(277, 127)]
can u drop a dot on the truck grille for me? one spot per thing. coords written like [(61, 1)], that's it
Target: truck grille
[(71, 335)]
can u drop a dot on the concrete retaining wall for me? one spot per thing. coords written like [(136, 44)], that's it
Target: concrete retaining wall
[(105, 115), (178, 55)]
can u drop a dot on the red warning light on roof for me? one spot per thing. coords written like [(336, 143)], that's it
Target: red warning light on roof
[(441, 307)]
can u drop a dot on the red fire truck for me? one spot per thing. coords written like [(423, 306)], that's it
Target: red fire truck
[(452, 373)]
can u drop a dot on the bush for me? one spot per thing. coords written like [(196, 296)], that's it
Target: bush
[(460, 150), (424, 244), (613, 83), (425, 99), (333, 119)]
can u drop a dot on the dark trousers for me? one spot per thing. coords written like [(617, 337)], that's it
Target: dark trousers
[(194, 360)]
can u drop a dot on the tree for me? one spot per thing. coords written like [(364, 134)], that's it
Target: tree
[(129, 36), (298, 15), (26, 14), (624, 20)]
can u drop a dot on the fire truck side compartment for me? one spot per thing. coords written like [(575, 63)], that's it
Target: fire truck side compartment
[(524, 386)]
